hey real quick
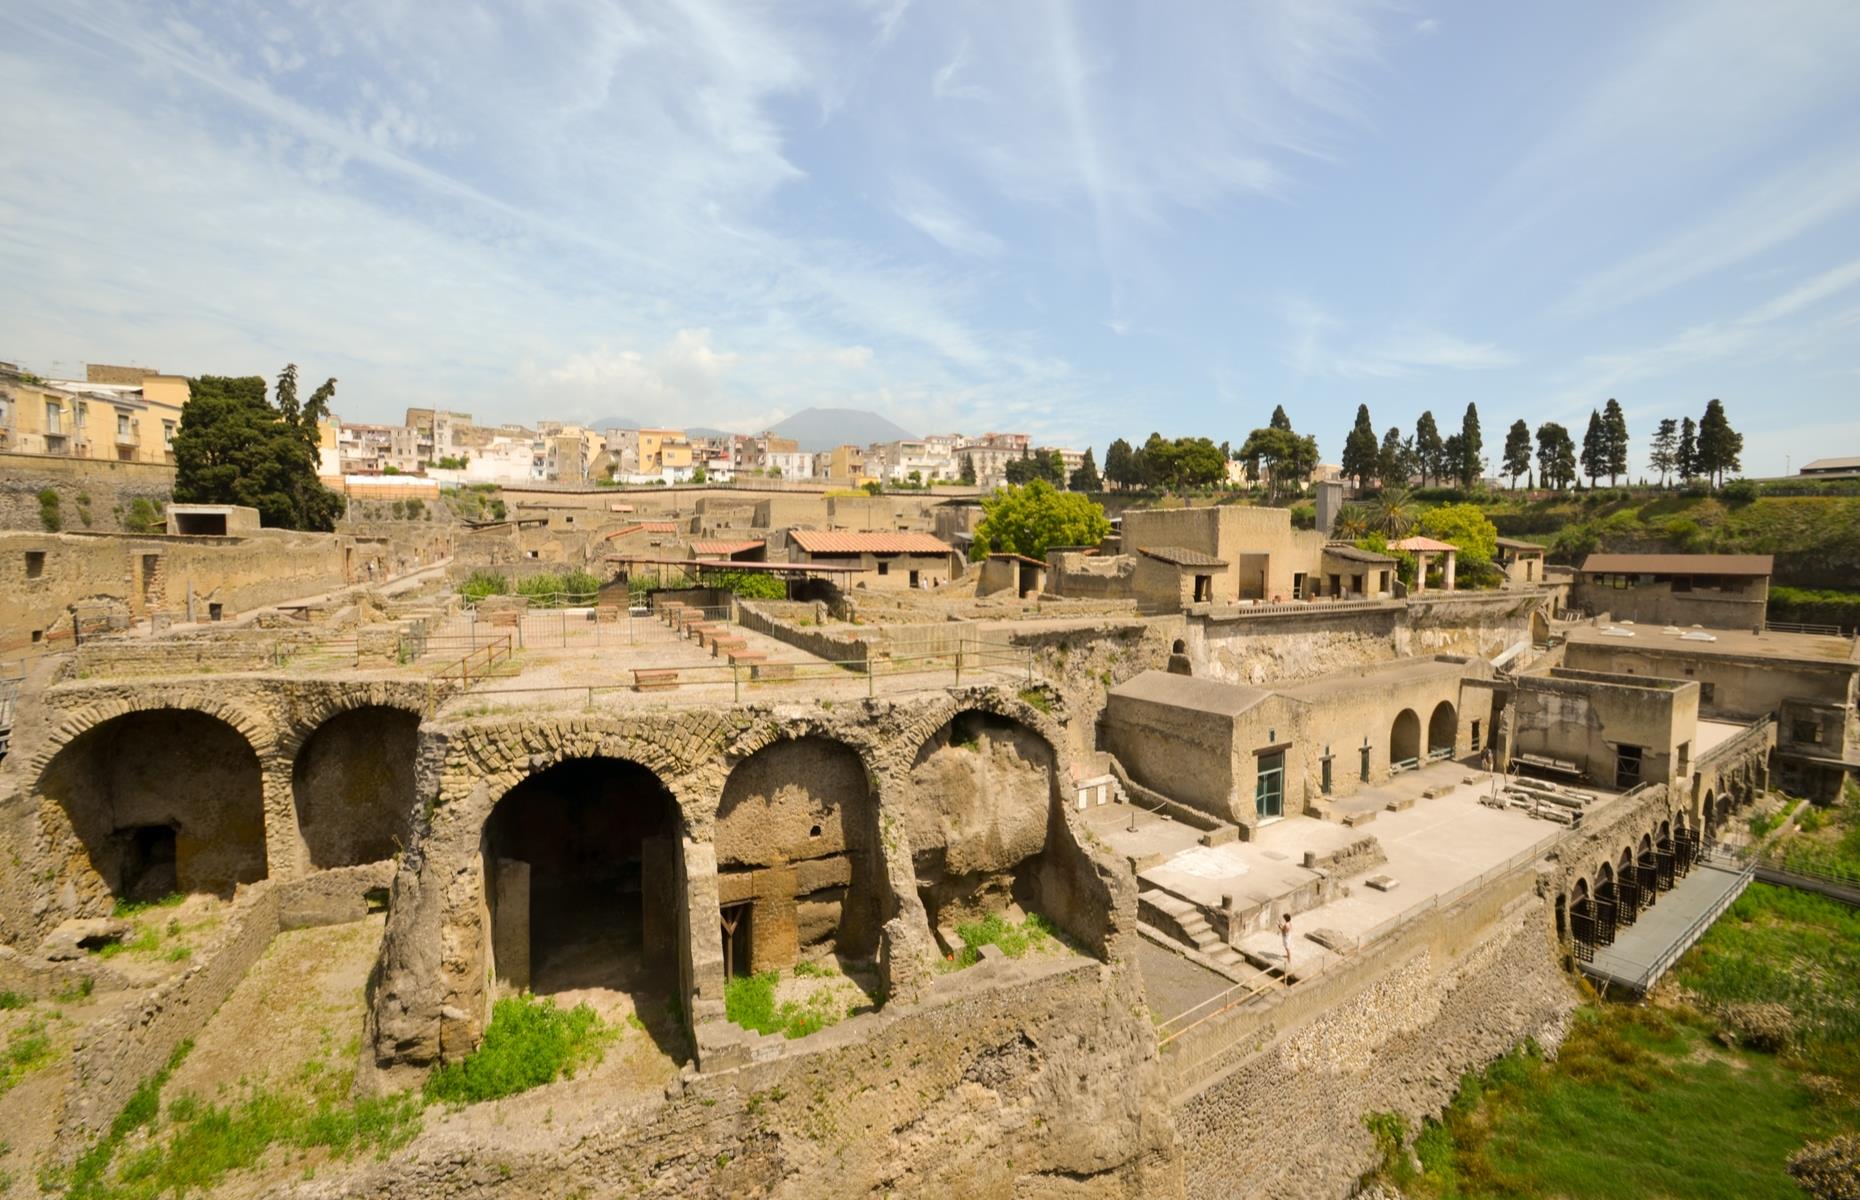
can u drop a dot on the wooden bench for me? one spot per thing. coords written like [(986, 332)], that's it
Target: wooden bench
[(654, 681), (772, 670), (721, 647), (706, 634), (747, 658)]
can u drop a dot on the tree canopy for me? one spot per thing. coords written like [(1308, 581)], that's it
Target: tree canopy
[(1467, 463), (1594, 448), (1361, 450), (1047, 465), (1120, 465), (1085, 478), (1180, 464), (233, 446), (1517, 451), (1615, 440), (1467, 527), (1663, 449), (1429, 450), (1026, 520), (1282, 458), (1556, 456), (1720, 447)]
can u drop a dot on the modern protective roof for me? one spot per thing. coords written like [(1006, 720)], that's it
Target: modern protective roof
[(1181, 556), (1680, 564), (1422, 545), (1356, 554), (1188, 691), (1833, 464), (1519, 544), (726, 548), (644, 527), (824, 541)]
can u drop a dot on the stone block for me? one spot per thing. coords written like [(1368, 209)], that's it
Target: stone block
[(815, 920), (1383, 883), (1358, 818), (771, 670), (1402, 803), (721, 647), (816, 874), (746, 658), (660, 680)]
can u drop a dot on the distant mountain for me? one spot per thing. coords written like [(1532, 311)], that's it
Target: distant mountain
[(616, 423), (705, 431), (818, 429)]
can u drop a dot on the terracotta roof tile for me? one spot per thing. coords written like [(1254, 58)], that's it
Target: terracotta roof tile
[(823, 541)]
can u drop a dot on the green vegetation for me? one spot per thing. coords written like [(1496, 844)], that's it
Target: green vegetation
[(234, 446), (1828, 841), (1034, 934), (529, 1042), (49, 515), (544, 591), (135, 908), (194, 1144), (144, 516), (749, 1001), (1026, 520), (750, 585), (27, 1048), (1037, 698), (1762, 1020), (10, 1000), (1815, 606)]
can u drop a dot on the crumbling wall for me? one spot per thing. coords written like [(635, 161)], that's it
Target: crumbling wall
[(105, 489)]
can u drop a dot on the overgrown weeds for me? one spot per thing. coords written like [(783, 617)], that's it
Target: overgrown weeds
[(529, 1042)]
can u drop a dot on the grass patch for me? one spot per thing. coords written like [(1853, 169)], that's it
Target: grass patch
[(195, 1144), (135, 908), (13, 1000), (1035, 933), (28, 1048), (1037, 698), (1669, 1099), (1829, 841), (749, 1001), (529, 1042)]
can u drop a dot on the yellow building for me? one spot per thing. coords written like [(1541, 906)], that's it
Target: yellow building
[(846, 465), (128, 414), (661, 450)]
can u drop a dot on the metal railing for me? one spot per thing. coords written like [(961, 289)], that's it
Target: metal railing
[(775, 675), (1221, 1003), (1804, 627), (480, 660), (1454, 895), (1667, 957)]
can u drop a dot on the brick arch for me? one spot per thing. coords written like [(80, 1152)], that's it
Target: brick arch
[(311, 713), (930, 721), (258, 733)]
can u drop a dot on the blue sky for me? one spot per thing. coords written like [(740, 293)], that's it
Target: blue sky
[(1082, 220)]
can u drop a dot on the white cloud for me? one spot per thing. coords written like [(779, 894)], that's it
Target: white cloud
[(935, 217), (1402, 352)]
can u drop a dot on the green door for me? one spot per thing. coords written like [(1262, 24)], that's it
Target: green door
[(1269, 791)]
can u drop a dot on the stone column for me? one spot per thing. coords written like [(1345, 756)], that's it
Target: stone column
[(700, 948), (1446, 572), (1420, 571), (510, 921), (286, 856)]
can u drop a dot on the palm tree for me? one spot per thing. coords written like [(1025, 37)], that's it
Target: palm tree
[(1394, 512), (1352, 522)]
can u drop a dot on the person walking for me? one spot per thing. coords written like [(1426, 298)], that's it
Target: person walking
[(1285, 939)]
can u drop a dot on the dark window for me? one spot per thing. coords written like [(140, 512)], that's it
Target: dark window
[(35, 563), (1475, 734), (1806, 733), (1706, 692), (884, 568), (1627, 766)]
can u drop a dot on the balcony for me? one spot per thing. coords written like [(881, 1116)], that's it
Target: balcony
[(128, 437)]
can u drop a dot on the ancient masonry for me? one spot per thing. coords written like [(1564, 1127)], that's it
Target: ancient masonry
[(739, 787)]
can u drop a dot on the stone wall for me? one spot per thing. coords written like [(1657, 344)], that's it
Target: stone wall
[(112, 488), (1033, 1078), (1282, 1115)]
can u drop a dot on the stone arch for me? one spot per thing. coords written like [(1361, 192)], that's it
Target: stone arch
[(979, 802), (581, 867), (158, 800), (1404, 738), (352, 785), (1443, 728), (1607, 904), (258, 734), (800, 865)]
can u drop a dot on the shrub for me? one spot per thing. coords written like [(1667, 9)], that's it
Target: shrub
[(1740, 491), (483, 583), (145, 516), (49, 515), (751, 585), (529, 1042), (993, 930), (1829, 1170)]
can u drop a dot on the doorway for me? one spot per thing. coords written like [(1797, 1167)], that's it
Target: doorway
[(1269, 789)]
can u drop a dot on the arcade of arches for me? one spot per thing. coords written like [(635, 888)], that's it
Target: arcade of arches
[(353, 786)]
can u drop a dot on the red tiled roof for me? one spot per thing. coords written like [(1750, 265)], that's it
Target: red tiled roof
[(822, 541), (1181, 556), (726, 548), (1426, 545)]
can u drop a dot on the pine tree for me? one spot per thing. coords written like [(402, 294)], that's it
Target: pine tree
[(1720, 447), (1360, 449), (235, 447), (968, 470), (1615, 431), (1468, 463), (1517, 450), (1428, 447), (1085, 479), (1686, 461), (1663, 450), (1595, 448), (1279, 419), (1392, 466)]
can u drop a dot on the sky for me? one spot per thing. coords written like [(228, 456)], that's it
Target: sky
[(1082, 221)]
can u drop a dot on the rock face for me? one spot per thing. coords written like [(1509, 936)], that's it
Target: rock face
[(979, 798)]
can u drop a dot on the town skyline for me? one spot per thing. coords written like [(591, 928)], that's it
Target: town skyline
[(562, 237)]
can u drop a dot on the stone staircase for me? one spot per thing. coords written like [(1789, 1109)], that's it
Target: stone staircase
[(1185, 921)]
